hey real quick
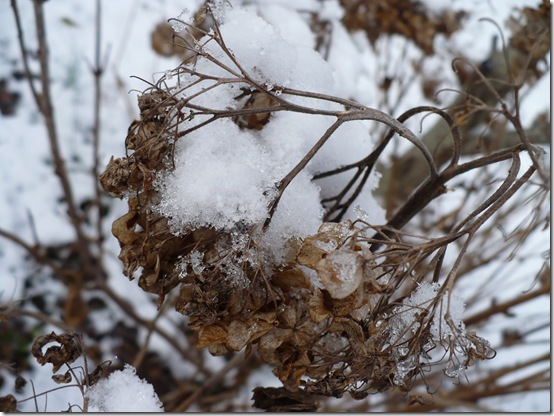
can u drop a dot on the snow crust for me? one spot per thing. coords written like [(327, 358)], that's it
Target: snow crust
[(123, 391)]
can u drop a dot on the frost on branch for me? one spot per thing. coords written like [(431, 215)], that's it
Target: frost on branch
[(223, 206)]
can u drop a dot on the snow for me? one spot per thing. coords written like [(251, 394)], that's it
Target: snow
[(446, 325), (184, 20), (219, 179), (405, 316), (225, 177), (123, 391), (289, 24)]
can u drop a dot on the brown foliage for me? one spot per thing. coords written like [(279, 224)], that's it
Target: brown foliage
[(8, 404), (323, 336), (335, 334), (327, 338), (69, 348), (407, 18), (530, 42)]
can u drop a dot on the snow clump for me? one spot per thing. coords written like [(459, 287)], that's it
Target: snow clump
[(226, 177), (123, 391)]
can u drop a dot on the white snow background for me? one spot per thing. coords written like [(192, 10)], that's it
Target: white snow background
[(29, 189)]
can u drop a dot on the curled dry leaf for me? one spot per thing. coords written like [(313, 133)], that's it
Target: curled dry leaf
[(69, 348), (62, 378), (97, 374), (256, 120)]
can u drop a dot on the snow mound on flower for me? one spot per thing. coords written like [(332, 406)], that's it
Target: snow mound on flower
[(225, 177), (123, 391)]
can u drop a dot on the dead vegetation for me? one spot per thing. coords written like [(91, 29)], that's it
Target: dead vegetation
[(354, 334)]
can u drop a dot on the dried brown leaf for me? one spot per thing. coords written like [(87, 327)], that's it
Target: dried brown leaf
[(97, 374), (8, 404), (256, 121), (68, 350), (212, 334), (270, 342), (289, 278), (245, 332), (341, 272), (123, 228), (62, 378)]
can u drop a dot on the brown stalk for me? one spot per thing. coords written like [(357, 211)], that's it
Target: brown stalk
[(151, 326), (432, 189), (40, 317), (24, 54), (504, 307), (210, 382), (44, 103), (34, 251), (98, 72)]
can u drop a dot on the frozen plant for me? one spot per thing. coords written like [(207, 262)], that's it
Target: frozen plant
[(228, 169), (438, 319), (240, 178), (446, 314)]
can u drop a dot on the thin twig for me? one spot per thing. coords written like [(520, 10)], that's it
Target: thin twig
[(129, 310), (41, 317), (44, 103), (502, 308), (34, 251), (98, 71), (210, 382), (24, 54)]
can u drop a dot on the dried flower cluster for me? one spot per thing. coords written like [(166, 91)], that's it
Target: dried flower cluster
[(355, 307), (332, 300), (336, 318), (530, 42), (343, 336), (405, 17), (144, 235)]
